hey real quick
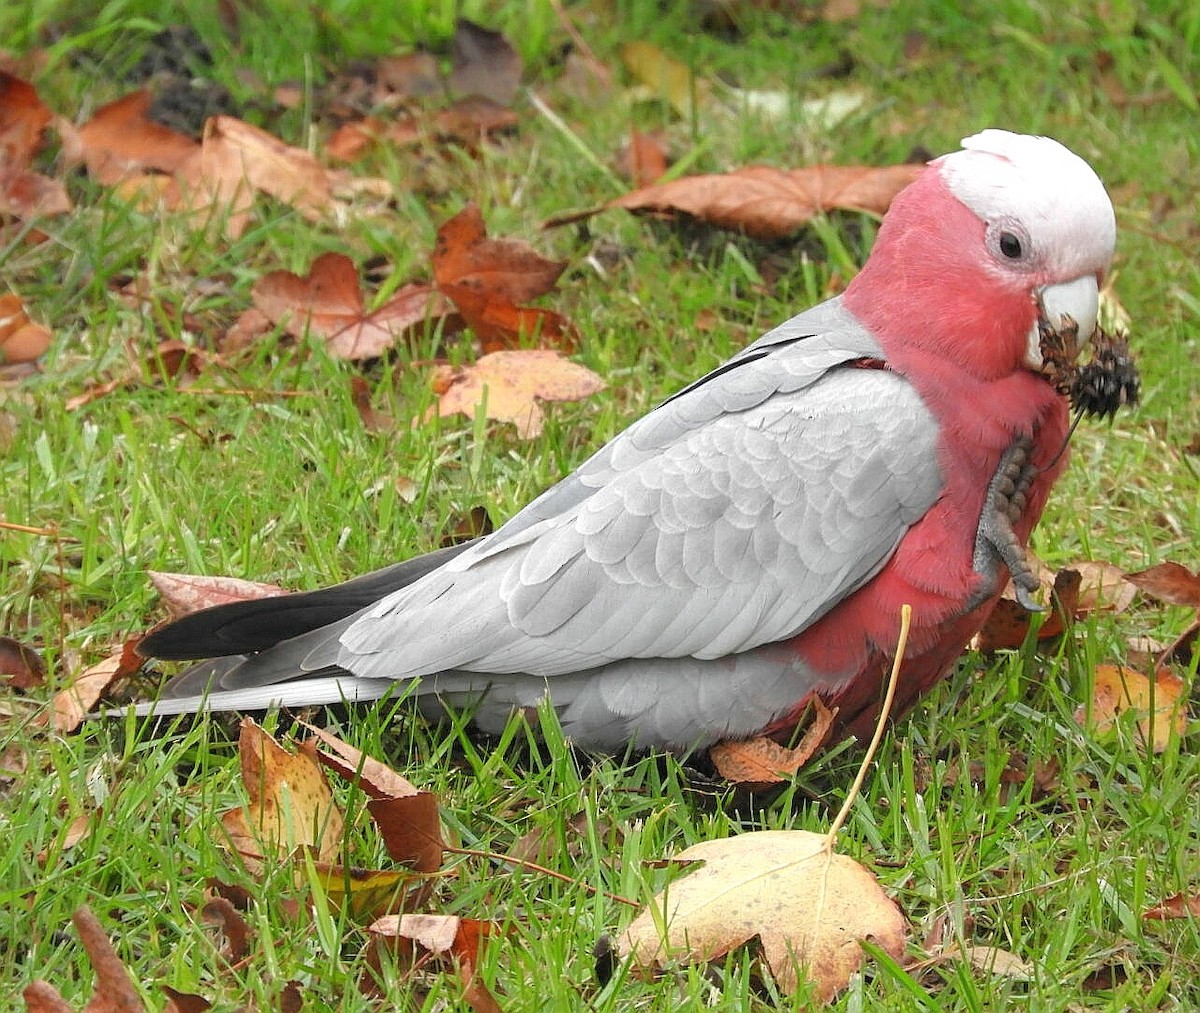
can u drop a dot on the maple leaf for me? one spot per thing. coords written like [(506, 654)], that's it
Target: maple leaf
[(808, 907), (504, 269), (328, 302), (510, 384)]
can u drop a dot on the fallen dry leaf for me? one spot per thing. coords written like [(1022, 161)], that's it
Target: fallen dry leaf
[(79, 828), (994, 960), (328, 303), (237, 160), (485, 63), (444, 939), (23, 119), (114, 991), (290, 804), (1170, 583), (26, 195), (183, 593), (121, 140), (504, 269), (184, 1002), (762, 761), (1103, 587), (71, 705), (1009, 622), (21, 667), (21, 340), (808, 908), (407, 818), (510, 384), (663, 76), (644, 158), (222, 915), (765, 202), (1159, 706), (368, 894), (1178, 906)]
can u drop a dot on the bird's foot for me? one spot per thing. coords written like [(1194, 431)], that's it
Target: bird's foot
[(996, 540)]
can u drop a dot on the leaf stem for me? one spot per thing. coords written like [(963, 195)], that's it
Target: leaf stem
[(880, 724)]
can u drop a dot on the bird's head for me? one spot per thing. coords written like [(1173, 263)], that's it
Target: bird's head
[(986, 235)]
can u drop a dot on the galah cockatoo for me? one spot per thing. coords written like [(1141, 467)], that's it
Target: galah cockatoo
[(749, 543)]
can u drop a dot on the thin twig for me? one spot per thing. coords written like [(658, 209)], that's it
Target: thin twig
[(880, 724), (534, 867), (575, 140)]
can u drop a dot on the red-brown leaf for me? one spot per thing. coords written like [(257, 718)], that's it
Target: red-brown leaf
[(498, 269), (1169, 582), (770, 203)]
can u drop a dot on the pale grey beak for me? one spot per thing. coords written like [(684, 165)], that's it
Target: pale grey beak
[(1078, 300)]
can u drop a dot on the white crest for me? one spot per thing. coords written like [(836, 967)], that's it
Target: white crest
[(1039, 184)]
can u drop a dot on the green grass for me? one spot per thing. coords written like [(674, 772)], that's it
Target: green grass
[(294, 490)]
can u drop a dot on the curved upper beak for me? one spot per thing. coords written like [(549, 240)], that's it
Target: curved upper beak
[(1077, 300)]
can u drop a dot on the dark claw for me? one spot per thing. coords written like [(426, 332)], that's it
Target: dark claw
[(995, 539)]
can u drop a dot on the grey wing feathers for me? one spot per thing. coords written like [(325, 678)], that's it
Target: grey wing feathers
[(727, 519)]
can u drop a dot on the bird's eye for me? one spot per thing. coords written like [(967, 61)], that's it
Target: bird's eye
[(1010, 246)]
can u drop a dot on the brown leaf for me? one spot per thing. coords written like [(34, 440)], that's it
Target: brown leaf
[(1008, 624), (183, 593), (475, 523), (1160, 706), (21, 340), (23, 119), (445, 939), (25, 194), (808, 908), (114, 991), (411, 829), (121, 140), (184, 1002), (221, 914), (1169, 582), (71, 705), (1178, 906), (374, 777), (485, 63), (328, 303), (762, 761), (769, 203), (512, 383), (500, 325), (473, 118), (1103, 587), (290, 803), (644, 159), (236, 160), (501, 269), (20, 665), (80, 827), (373, 420)]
